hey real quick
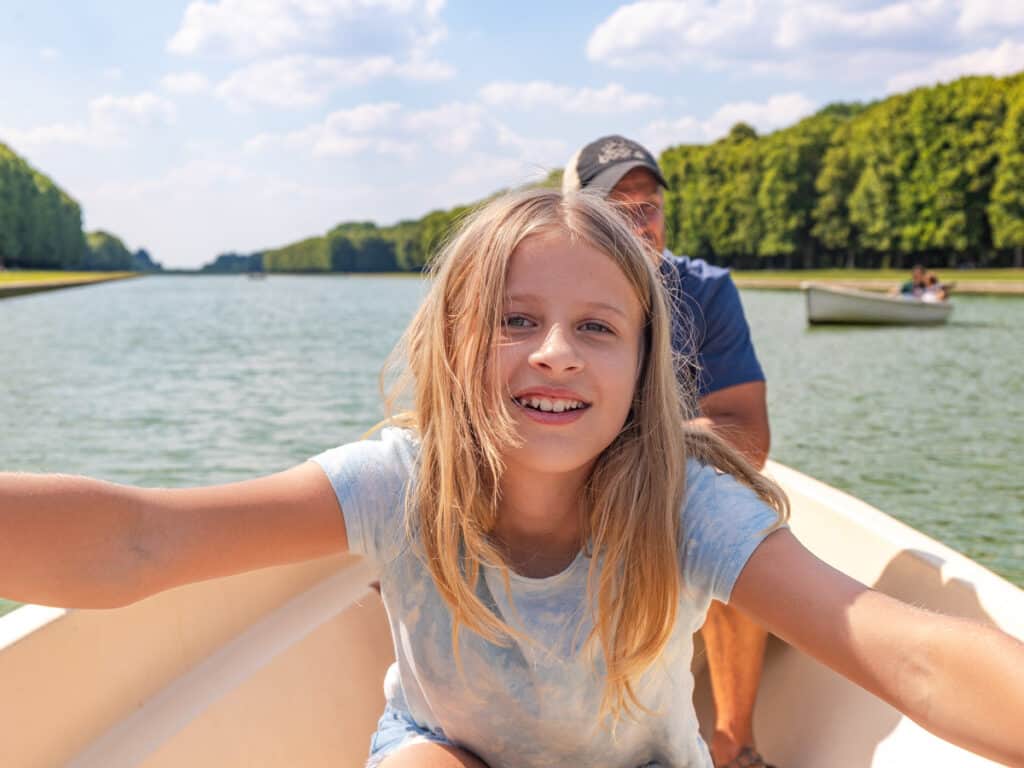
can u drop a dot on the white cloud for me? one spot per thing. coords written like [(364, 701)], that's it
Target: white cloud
[(855, 39), (303, 81), (342, 133), (185, 82), (296, 81), (110, 119), (359, 27), (664, 133), (451, 127), (778, 111), (660, 32), (388, 128), (144, 108), (78, 134), (991, 14), (1004, 59), (541, 152), (383, 128), (49, 54), (364, 118), (823, 24), (493, 172), (294, 45), (540, 94)]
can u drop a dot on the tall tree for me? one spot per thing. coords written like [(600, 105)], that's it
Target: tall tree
[(1006, 209), (107, 252)]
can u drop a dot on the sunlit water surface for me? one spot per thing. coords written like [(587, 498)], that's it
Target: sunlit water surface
[(179, 381)]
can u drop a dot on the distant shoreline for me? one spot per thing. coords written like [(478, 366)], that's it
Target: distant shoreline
[(983, 282), (975, 288), (989, 282)]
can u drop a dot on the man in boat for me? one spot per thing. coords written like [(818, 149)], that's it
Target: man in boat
[(918, 282), (709, 326)]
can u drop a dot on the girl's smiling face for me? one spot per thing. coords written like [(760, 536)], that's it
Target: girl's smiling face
[(569, 353)]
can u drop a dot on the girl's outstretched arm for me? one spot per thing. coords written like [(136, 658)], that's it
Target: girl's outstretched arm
[(76, 542), (959, 679)]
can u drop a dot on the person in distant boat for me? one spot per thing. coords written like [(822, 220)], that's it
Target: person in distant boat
[(934, 290), (709, 328), (917, 284)]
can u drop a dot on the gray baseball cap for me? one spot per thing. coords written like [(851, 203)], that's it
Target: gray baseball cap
[(601, 164)]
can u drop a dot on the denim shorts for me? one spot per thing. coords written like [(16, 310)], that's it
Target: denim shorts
[(395, 729)]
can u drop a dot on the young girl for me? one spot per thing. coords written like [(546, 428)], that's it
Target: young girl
[(549, 534)]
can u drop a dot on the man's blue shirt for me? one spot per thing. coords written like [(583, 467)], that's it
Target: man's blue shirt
[(708, 324)]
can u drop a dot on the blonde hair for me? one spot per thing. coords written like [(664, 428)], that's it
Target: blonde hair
[(635, 491)]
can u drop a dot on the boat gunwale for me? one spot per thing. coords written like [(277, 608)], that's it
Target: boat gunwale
[(23, 621), (898, 299), (994, 591)]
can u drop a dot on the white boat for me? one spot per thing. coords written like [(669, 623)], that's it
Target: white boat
[(839, 304), (284, 667)]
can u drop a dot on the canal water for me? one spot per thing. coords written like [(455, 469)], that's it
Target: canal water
[(178, 381)]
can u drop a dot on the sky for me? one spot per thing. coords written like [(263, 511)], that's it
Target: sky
[(192, 128)]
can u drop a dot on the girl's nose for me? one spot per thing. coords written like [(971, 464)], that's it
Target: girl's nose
[(557, 353)]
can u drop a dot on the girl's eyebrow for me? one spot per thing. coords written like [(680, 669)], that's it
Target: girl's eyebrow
[(529, 298)]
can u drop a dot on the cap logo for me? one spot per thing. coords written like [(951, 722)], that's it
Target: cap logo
[(616, 150)]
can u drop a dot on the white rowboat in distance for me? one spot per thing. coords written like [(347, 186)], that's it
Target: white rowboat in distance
[(841, 305)]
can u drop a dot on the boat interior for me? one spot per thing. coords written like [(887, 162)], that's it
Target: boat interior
[(284, 667)]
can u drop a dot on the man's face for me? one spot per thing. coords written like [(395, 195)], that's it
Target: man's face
[(641, 191)]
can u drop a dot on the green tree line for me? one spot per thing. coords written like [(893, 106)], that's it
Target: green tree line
[(41, 226), (935, 175), (363, 246)]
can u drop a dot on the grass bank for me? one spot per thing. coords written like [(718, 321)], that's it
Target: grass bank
[(18, 282), (9, 276), (974, 281)]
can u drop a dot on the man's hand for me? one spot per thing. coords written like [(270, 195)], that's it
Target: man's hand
[(739, 415)]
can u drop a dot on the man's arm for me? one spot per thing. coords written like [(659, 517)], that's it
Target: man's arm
[(731, 382), (739, 414)]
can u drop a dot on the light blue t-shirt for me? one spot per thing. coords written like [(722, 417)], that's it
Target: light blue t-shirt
[(536, 704)]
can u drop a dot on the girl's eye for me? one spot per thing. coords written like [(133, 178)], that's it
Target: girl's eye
[(516, 321), (594, 325)]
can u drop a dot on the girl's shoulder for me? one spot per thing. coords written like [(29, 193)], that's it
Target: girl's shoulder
[(704, 482), (393, 448), (712, 494), (723, 522), (370, 479)]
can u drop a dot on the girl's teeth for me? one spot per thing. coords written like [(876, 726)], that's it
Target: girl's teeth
[(550, 406)]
